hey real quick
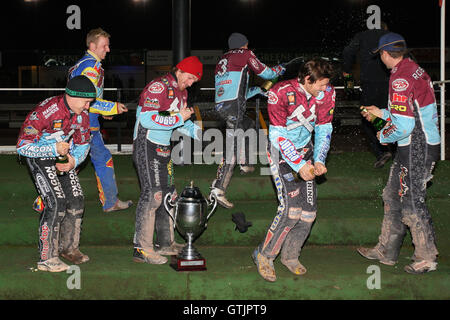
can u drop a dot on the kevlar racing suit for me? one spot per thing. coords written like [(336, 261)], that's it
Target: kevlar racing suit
[(413, 125), (231, 94), (91, 67), (48, 123), (157, 116), (294, 114)]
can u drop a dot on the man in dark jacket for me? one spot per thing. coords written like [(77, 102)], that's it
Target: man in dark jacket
[(374, 78)]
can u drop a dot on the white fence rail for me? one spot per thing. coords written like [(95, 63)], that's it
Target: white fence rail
[(117, 149)]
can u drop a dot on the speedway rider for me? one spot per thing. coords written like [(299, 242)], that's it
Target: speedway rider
[(162, 109), (97, 41), (231, 84), (413, 124), (90, 65), (296, 108), (44, 136)]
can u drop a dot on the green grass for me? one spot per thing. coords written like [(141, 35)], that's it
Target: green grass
[(350, 212)]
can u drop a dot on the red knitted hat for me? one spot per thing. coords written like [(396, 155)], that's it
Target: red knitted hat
[(191, 65)]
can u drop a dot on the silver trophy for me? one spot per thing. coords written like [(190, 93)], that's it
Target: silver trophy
[(189, 214)]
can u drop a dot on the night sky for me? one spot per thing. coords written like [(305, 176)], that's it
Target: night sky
[(276, 24)]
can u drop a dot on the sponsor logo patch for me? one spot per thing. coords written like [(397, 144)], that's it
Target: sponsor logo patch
[(109, 163), (30, 130), (400, 85), (287, 148), (165, 121), (403, 186), (398, 107), (272, 98), (45, 242), (57, 124), (163, 152), (151, 103), (389, 130), (399, 98), (294, 193), (50, 110), (156, 87), (291, 98), (34, 116)]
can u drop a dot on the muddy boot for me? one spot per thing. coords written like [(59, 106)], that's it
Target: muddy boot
[(294, 266), (246, 169), (420, 267), (264, 266), (390, 240), (375, 254), (173, 250), (75, 256), (52, 265), (119, 205), (220, 195), (381, 161), (148, 256)]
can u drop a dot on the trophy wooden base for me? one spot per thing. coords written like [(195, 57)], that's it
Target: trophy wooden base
[(180, 264)]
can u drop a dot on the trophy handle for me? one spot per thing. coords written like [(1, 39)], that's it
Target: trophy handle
[(168, 202), (212, 201)]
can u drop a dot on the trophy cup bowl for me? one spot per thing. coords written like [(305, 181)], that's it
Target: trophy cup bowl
[(189, 213)]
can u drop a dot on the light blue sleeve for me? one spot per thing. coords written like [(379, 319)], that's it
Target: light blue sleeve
[(271, 73), (386, 114), (80, 152), (190, 129), (253, 91), (322, 141), (399, 129)]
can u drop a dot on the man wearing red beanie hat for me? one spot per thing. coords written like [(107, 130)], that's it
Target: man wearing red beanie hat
[(162, 109), (191, 65)]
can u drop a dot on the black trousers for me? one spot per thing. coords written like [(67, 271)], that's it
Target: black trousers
[(60, 222), (297, 207), (405, 200), (233, 114), (155, 171)]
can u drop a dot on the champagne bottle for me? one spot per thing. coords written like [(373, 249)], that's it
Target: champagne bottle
[(269, 84), (61, 159), (377, 122), (64, 159), (167, 113)]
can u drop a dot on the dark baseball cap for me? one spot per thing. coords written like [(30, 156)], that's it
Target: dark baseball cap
[(391, 42)]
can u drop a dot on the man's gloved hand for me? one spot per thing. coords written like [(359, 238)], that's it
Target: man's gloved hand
[(241, 224), (282, 66)]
